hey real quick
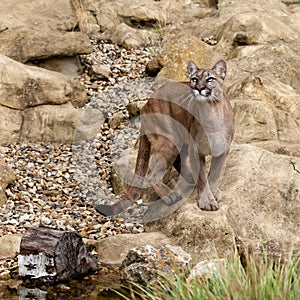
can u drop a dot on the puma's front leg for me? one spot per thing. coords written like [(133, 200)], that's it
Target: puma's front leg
[(206, 198), (216, 173)]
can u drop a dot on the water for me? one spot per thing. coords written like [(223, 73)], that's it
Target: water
[(92, 287)]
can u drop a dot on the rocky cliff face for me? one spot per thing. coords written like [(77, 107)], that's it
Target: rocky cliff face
[(258, 39)]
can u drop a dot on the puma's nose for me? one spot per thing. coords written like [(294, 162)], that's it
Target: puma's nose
[(205, 92)]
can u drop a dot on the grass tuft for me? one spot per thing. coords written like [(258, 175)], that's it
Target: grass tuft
[(262, 278)]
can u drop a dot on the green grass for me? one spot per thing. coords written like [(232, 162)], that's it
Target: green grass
[(262, 279), (291, 2)]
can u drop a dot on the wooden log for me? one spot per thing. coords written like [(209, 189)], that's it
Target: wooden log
[(51, 255)]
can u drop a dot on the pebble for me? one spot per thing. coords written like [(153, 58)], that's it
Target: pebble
[(57, 185)]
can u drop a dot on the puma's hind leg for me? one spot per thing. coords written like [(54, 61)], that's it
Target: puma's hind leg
[(163, 156), (134, 189)]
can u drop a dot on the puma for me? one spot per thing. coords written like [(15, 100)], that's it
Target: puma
[(180, 125)]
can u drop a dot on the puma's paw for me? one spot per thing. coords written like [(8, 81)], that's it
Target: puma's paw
[(218, 195), (210, 205), (172, 198)]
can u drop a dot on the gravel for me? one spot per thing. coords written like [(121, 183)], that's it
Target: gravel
[(57, 185)]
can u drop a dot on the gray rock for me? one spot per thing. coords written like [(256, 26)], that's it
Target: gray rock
[(143, 264)]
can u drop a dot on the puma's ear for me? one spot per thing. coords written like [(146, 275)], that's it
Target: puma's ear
[(220, 68), (191, 68)]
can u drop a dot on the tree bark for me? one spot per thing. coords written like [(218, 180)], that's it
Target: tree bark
[(49, 255)]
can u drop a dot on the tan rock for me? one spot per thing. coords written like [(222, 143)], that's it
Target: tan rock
[(10, 125), (31, 35), (254, 121), (50, 123), (10, 245), (261, 191), (254, 28), (131, 38), (7, 176), (269, 90), (176, 54), (25, 86), (278, 61), (260, 202), (113, 249)]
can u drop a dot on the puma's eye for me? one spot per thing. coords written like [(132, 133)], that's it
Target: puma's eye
[(210, 79), (194, 79)]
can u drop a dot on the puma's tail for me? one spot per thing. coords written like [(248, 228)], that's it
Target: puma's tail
[(133, 190)]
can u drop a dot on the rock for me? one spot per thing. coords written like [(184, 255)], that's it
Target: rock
[(10, 125), (254, 28), (260, 201), (10, 245), (278, 61), (7, 176), (146, 14), (143, 264), (26, 86), (89, 124), (153, 67), (50, 123), (47, 34), (261, 191), (131, 38), (176, 54), (138, 14), (134, 108), (116, 120), (205, 269), (101, 71), (30, 92), (200, 233), (113, 249), (254, 121), (69, 66)]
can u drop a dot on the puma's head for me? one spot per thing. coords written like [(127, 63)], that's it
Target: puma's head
[(207, 84)]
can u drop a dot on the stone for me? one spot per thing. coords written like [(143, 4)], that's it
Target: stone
[(10, 246), (49, 33), (50, 123), (7, 176), (254, 28), (68, 66), (89, 124), (134, 108), (101, 71), (279, 61), (28, 91), (178, 52), (131, 38), (254, 121), (205, 269), (143, 264), (260, 201), (26, 86), (10, 125), (113, 249)]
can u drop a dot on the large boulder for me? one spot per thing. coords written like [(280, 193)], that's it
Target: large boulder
[(7, 176), (28, 35), (35, 104), (260, 202), (177, 53)]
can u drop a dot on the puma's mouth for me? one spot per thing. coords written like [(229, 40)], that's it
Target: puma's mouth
[(199, 95)]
